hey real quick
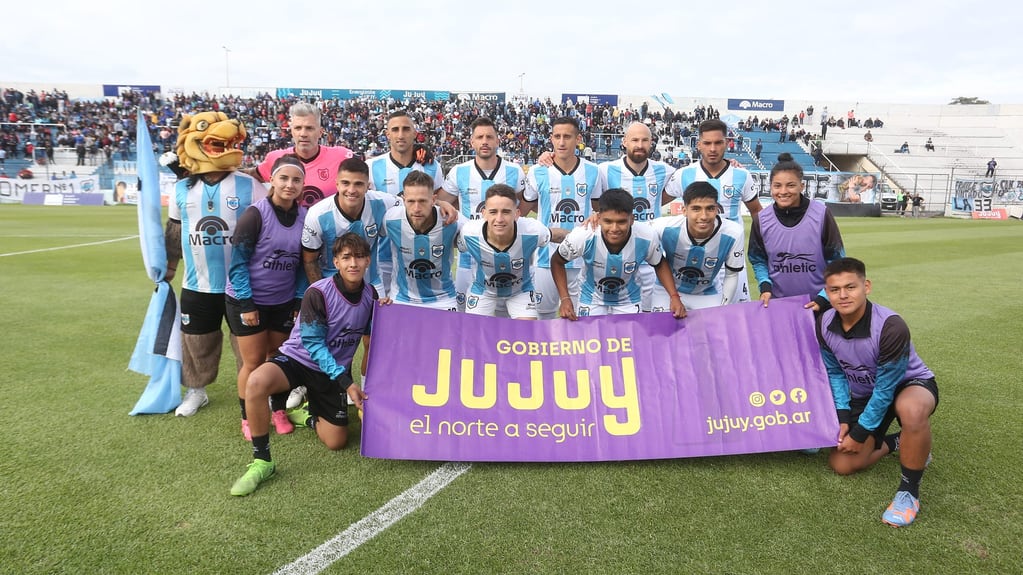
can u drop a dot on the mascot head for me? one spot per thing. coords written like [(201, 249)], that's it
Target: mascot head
[(209, 142)]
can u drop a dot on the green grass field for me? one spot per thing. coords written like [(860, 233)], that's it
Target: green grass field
[(85, 488)]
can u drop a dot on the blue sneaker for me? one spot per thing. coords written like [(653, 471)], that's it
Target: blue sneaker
[(902, 510)]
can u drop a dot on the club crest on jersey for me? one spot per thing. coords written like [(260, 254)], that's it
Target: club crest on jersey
[(472, 302), (437, 250), (629, 267), (709, 263), (728, 191), (516, 264), (233, 202), (371, 231), (581, 190), (323, 173), (651, 188)]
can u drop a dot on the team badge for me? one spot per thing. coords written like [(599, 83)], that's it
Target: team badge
[(629, 267), (584, 311), (709, 263), (581, 190), (460, 298), (437, 251), (233, 202), (185, 319), (652, 189), (728, 191), (371, 231), (323, 173), (472, 302), (516, 264)]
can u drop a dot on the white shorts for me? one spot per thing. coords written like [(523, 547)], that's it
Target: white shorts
[(592, 310), (547, 300), (661, 301), (647, 279), (519, 306), (446, 304), (463, 279), (741, 289)]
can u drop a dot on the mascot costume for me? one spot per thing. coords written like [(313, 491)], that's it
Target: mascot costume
[(203, 212)]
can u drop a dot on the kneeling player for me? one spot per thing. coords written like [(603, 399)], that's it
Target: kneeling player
[(503, 248), (699, 245), (611, 259), (876, 377), (336, 314)]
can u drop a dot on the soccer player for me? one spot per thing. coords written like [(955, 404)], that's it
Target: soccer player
[(503, 248), (792, 241), (321, 162), (201, 220), (700, 245), (422, 246), (467, 183), (265, 279), (611, 257), (355, 208), (336, 314), (876, 377), (388, 171), (645, 179), (734, 184), (563, 195)]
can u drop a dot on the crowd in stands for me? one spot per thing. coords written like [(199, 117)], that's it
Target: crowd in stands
[(104, 130)]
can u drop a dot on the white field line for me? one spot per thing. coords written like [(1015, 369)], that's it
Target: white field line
[(368, 527), (69, 247)]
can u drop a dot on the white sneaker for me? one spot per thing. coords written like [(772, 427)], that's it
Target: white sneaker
[(194, 399), (296, 397)]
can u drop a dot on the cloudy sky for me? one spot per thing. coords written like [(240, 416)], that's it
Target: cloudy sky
[(868, 51)]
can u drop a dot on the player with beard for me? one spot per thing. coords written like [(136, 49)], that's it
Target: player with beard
[(467, 183), (321, 162), (645, 179)]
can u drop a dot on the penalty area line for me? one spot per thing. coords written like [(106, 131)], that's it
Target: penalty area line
[(368, 527), (68, 247)]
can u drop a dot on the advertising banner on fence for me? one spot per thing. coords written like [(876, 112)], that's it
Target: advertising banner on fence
[(14, 191), (754, 105), (458, 387), (341, 94), (986, 195), (62, 199), (482, 97), (595, 99), (115, 90)]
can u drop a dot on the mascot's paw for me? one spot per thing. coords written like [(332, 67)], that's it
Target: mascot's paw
[(168, 158)]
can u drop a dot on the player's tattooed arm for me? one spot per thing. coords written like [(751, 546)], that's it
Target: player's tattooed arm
[(311, 264), (172, 242)]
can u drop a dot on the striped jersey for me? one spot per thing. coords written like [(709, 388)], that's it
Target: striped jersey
[(422, 262), (734, 186), (469, 184), (645, 186), (611, 279), (325, 222), (563, 199), (320, 171), (387, 175), (208, 215), (503, 273), (697, 263)]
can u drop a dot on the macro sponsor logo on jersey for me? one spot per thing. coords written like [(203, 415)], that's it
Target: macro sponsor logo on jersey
[(790, 263), (477, 214), (567, 211), (503, 280), (310, 195), (281, 261), (690, 275), (209, 231), (641, 209), (857, 373), (610, 286), (423, 269)]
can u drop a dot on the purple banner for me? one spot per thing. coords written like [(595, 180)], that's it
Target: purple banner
[(62, 199), (456, 387)]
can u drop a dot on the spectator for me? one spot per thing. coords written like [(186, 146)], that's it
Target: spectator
[(904, 149), (868, 137), (929, 146), (918, 205), (991, 168), (758, 149)]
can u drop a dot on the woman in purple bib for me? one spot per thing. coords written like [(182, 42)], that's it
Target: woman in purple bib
[(791, 241)]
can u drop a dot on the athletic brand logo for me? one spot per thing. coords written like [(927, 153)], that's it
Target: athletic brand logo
[(794, 263), (281, 261), (857, 373)]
